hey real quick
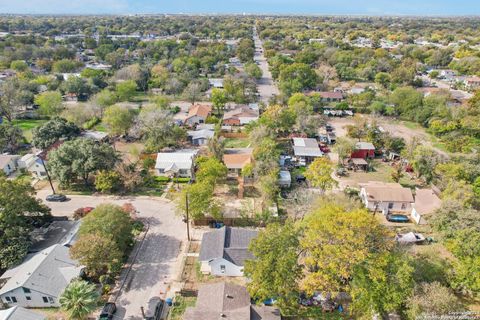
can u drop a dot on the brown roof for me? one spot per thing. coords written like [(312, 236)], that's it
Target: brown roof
[(240, 112), (199, 110), (237, 161), (426, 201), (387, 192), (54, 146)]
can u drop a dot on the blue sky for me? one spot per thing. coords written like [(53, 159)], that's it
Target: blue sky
[(363, 7)]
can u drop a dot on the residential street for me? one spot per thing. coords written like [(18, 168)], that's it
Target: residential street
[(158, 261), (266, 86)]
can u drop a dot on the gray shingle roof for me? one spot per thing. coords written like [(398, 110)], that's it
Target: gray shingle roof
[(229, 243), (19, 313), (48, 271), (225, 300)]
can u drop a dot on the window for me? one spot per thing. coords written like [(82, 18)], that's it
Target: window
[(28, 298), (8, 299), (45, 299), (404, 206), (26, 290), (390, 205), (14, 299), (51, 300), (222, 268)]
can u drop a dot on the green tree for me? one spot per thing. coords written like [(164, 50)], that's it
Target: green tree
[(118, 119), (65, 66), (432, 299), (344, 148), (126, 90), (297, 77), (98, 253), (53, 130), (79, 299), (319, 174), (253, 70), (382, 285), (200, 200), (424, 161), (245, 50), (336, 240), (407, 101), (109, 220), (383, 79), (104, 99), (10, 136), (210, 169), (50, 103), (19, 65), (107, 181), (276, 248), (219, 98), (19, 210), (78, 159)]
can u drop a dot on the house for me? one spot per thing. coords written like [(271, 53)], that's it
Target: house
[(224, 300), (40, 280), (472, 83), (426, 202), (216, 83), (179, 163), (447, 74), (328, 96), (235, 159), (386, 197), (8, 163), (284, 179), (19, 313), (197, 114), (306, 149), (240, 116), (200, 137), (223, 251), (58, 232), (364, 150)]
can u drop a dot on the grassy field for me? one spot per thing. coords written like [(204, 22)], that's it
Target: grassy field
[(181, 303), (27, 125), (236, 143)]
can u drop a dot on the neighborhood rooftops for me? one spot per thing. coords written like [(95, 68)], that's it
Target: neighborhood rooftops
[(200, 110), (48, 271), (387, 192), (228, 243), (230, 301), (306, 147)]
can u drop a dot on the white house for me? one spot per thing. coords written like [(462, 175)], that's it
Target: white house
[(19, 313), (179, 163), (40, 280), (33, 164), (386, 197), (8, 163), (197, 114), (426, 202), (223, 251)]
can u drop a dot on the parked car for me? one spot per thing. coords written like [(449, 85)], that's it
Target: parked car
[(56, 198), (398, 218), (108, 311), (156, 309), (300, 178)]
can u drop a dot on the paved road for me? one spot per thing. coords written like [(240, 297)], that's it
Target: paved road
[(265, 85), (158, 261)]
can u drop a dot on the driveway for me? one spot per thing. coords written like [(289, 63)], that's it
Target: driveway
[(265, 85), (157, 264)]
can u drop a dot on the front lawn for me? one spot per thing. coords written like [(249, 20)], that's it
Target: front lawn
[(27, 125), (180, 305)]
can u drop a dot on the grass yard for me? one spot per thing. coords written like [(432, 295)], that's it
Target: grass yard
[(236, 143), (27, 125), (382, 172), (180, 305)]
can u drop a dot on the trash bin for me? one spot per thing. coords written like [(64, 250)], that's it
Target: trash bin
[(169, 301)]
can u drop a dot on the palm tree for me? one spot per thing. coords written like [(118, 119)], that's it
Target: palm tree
[(79, 299)]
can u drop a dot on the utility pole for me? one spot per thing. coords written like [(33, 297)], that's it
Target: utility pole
[(188, 220), (48, 175)]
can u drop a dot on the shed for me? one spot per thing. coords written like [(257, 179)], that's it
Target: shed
[(285, 179)]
